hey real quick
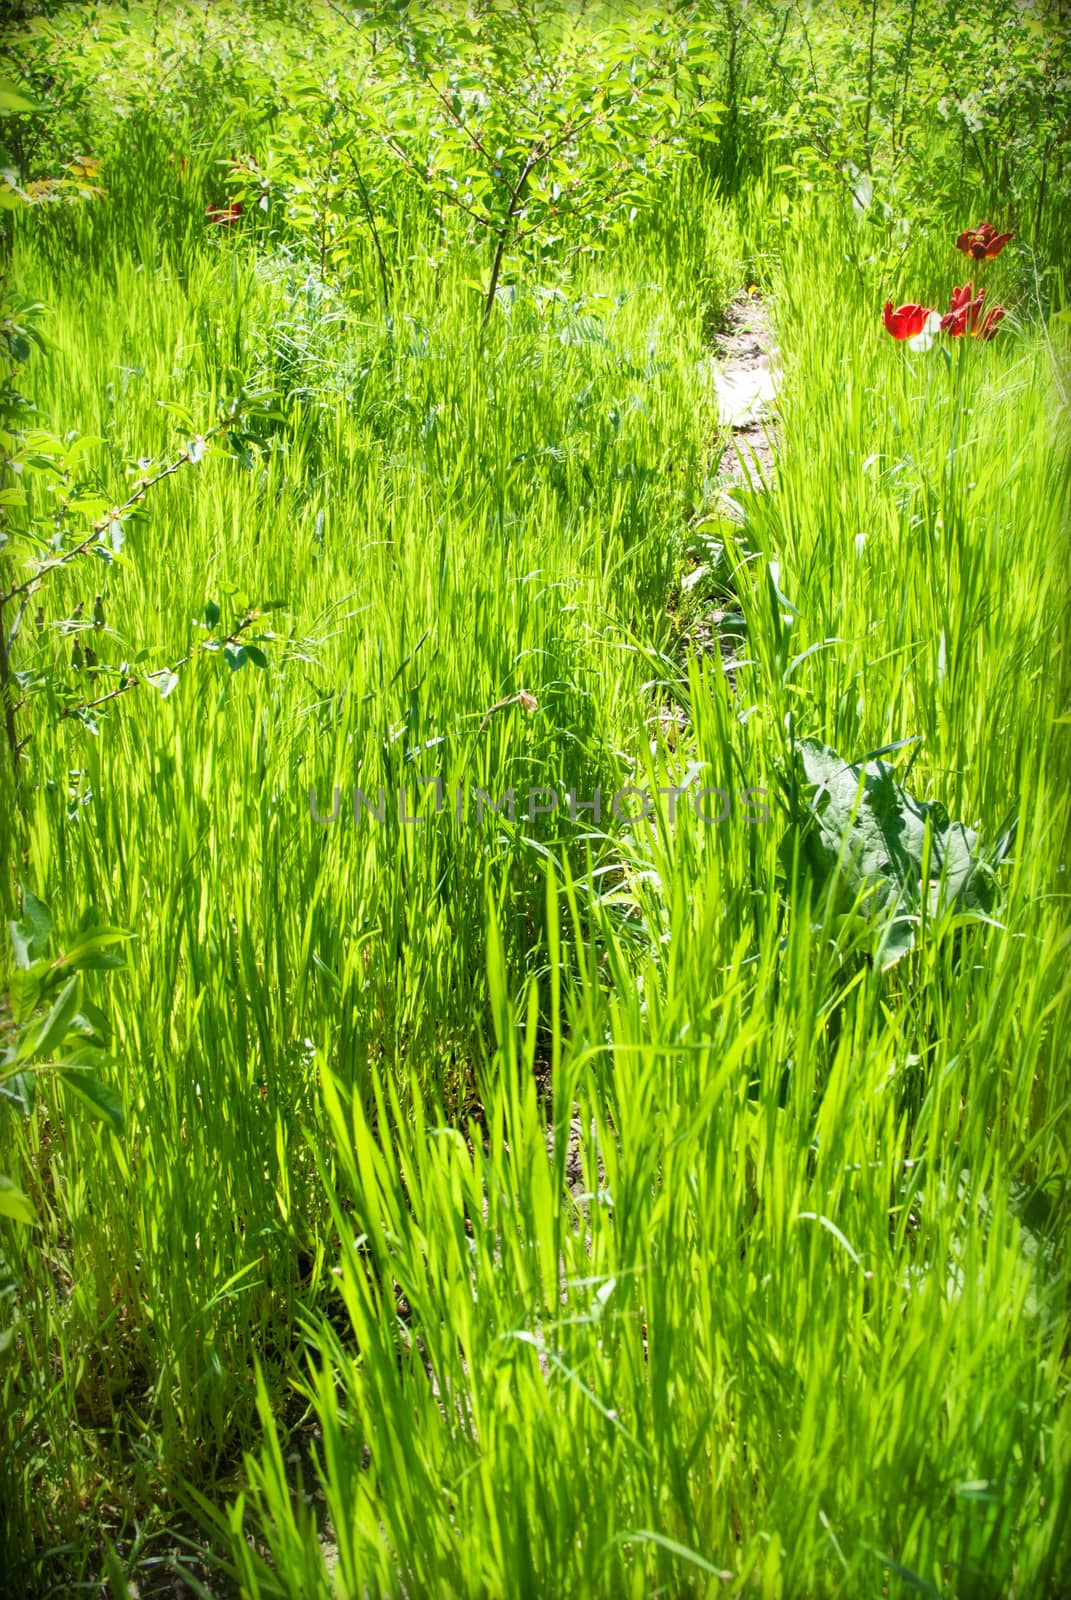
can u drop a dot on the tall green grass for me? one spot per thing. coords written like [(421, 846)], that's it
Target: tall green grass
[(803, 1329)]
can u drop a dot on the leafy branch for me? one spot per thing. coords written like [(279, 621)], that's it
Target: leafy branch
[(104, 539), (57, 1030)]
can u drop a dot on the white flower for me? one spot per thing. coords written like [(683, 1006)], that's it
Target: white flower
[(923, 340)]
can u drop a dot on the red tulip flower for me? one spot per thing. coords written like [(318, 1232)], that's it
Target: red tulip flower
[(906, 321), (222, 215), (983, 242), (965, 311)]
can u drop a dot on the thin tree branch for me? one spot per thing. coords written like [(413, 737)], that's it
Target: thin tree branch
[(140, 492)]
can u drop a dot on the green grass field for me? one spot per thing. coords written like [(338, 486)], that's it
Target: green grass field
[(573, 1203)]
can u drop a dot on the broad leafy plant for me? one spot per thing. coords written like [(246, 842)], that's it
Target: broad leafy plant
[(859, 834)]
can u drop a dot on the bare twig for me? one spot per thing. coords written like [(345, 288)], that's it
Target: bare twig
[(371, 216)]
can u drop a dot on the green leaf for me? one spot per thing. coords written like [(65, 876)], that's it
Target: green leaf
[(13, 100), (13, 1203), (29, 986), (88, 505), (30, 936), (910, 1579), (646, 1535), (179, 411), (20, 1089), (92, 1025), (101, 1100), (92, 952), (43, 1042)]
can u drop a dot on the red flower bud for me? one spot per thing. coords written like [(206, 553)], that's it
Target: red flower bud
[(964, 312), (983, 242), (906, 321), (224, 214)]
